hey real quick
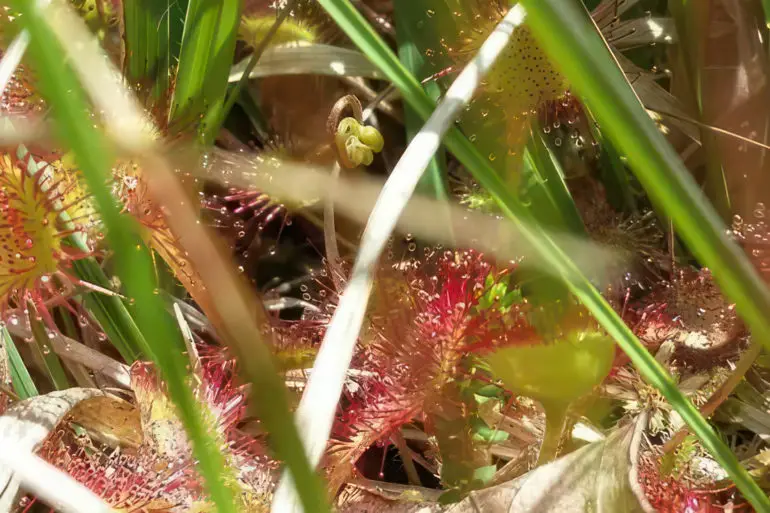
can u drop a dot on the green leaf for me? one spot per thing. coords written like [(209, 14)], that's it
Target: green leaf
[(550, 178), (48, 357), (483, 433), (568, 36), (153, 33), (20, 378), (60, 87), (485, 474), (433, 182), (205, 58)]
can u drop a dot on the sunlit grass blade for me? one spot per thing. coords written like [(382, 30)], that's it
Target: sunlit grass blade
[(216, 116), (551, 175), (46, 355), (206, 54), (369, 42), (110, 312), (20, 378), (566, 33), (59, 85), (153, 33), (433, 182)]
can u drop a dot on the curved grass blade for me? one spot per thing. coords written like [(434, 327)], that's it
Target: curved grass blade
[(45, 354), (370, 43), (20, 378), (433, 181), (60, 86), (568, 36), (205, 57)]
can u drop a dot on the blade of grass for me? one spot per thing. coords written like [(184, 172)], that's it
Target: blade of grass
[(205, 58), (216, 116), (568, 36), (370, 43), (433, 182), (153, 31), (315, 414), (59, 85), (20, 378), (48, 357), (549, 170)]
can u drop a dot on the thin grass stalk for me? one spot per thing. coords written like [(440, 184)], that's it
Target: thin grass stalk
[(59, 85), (433, 181), (20, 378), (568, 36), (42, 346), (218, 114), (315, 414)]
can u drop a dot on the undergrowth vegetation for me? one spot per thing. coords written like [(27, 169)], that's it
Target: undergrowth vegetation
[(384, 255)]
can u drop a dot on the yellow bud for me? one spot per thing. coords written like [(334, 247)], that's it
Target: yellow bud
[(372, 137), (358, 153)]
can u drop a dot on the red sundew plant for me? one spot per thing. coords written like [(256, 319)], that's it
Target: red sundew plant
[(669, 494), (160, 475), (425, 315), (35, 255), (691, 312)]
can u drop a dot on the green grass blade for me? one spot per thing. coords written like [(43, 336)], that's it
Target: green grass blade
[(20, 378), (433, 181), (60, 87), (549, 171), (369, 42), (48, 357), (568, 36), (110, 312), (153, 32), (205, 58)]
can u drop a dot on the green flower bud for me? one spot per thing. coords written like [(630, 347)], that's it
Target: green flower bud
[(372, 137)]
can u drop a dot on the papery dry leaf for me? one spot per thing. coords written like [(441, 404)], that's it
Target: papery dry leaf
[(109, 420)]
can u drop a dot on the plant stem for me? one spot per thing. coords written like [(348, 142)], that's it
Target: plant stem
[(555, 424)]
